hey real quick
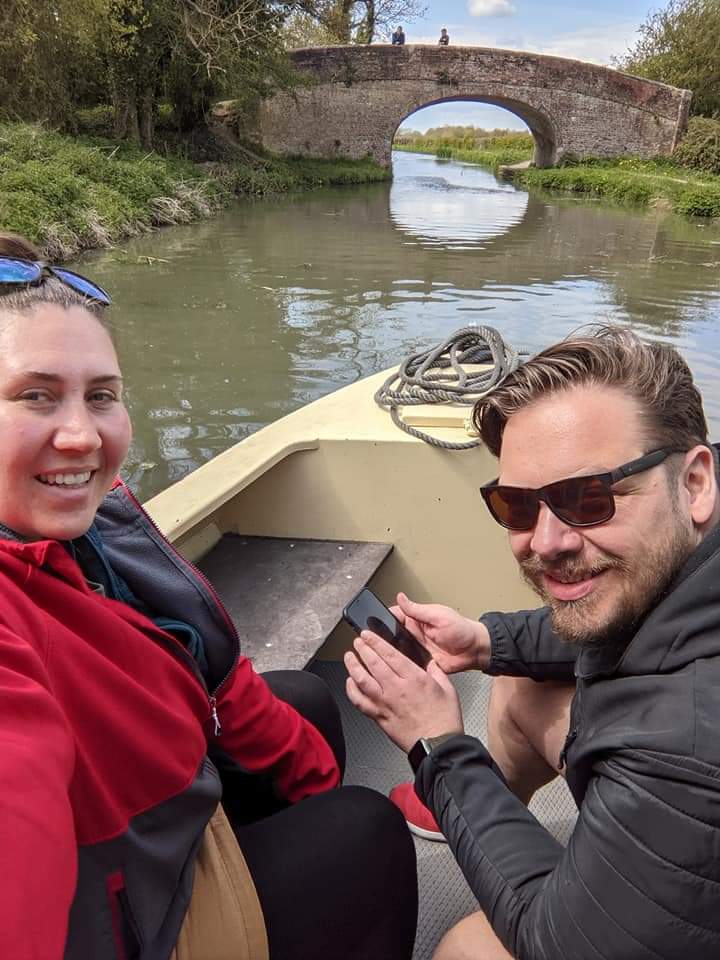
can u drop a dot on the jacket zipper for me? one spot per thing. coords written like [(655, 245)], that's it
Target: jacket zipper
[(214, 715), (211, 695), (569, 740)]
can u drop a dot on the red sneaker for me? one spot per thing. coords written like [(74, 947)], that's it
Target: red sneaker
[(419, 819)]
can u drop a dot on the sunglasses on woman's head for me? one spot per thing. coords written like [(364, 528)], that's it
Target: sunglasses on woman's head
[(17, 272), (577, 501)]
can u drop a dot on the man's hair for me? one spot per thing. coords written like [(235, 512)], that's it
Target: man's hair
[(652, 373), (20, 299)]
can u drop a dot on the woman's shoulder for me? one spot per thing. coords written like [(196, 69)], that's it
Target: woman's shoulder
[(20, 585)]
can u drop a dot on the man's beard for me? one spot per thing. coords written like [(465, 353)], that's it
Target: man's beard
[(641, 582)]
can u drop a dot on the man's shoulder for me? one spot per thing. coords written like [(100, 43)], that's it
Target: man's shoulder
[(706, 709)]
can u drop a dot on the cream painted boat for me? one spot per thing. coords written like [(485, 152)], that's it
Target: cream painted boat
[(339, 469)]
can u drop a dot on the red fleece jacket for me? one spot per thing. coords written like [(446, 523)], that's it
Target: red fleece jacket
[(102, 719)]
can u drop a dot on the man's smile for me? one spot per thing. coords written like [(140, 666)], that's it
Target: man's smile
[(567, 587)]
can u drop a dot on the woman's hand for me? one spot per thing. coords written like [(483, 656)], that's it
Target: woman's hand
[(406, 701), (455, 642)]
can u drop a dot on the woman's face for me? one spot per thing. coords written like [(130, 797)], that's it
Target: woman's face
[(64, 430)]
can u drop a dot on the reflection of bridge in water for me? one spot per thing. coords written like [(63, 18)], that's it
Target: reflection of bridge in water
[(462, 206), (358, 96), (557, 243)]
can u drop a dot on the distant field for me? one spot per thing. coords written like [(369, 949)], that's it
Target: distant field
[(490, 148)]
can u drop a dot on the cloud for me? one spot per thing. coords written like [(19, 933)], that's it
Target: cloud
[(490, 8), (592, 44)]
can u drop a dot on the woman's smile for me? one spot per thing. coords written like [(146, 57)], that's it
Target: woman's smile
[(67, 479), (66, 430)]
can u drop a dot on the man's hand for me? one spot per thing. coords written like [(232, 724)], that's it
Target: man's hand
[(455, 642), (406, 701)]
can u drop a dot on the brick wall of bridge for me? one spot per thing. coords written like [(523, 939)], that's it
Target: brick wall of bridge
[(358, 96)]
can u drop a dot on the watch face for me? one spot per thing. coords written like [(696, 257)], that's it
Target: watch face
[(425, 746), (417, 754)]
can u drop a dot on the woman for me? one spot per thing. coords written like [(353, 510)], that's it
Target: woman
[(123, 694)]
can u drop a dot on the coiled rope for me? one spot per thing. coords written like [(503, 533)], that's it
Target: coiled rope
[(437, 376)]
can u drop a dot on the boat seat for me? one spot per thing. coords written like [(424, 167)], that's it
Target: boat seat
[(286, 596)]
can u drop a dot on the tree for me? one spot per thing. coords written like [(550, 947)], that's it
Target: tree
[(141, 34), (50, 59), (350, 21), (680, 45), (191, 50), (57, 55)]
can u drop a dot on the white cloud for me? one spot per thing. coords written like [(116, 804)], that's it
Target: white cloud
[(490, 8), (592, 44)]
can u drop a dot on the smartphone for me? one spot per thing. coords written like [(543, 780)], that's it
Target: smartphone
[(366, 612)]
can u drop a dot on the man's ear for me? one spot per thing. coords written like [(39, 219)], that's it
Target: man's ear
[(699, 484)]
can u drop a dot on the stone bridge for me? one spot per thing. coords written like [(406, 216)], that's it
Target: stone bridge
[(357, 96)]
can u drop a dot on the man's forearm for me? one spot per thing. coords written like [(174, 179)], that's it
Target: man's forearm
[(524, 644)]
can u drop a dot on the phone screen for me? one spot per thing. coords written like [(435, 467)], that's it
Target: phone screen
[(366, 612)]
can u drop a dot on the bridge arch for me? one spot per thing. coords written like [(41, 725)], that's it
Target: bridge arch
[(541, 125), (355, 98)]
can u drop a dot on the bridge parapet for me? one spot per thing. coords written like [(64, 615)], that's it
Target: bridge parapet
[(357, 96)]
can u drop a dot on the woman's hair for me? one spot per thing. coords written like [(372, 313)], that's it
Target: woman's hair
[(654, 374), (22, 298)]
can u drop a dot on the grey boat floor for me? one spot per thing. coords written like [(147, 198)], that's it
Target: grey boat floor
[(374, 761)]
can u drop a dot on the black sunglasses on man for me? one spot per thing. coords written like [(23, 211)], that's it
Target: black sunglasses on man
[(577, 501)]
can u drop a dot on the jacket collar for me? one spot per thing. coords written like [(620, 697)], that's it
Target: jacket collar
[(683, 626), (7, 534)]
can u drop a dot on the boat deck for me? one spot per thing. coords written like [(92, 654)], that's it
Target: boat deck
[(374, 761), (286, 596)]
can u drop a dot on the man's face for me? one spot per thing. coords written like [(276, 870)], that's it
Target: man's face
[(597, 581)]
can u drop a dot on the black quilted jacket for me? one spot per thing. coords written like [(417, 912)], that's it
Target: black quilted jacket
[(640, 877)]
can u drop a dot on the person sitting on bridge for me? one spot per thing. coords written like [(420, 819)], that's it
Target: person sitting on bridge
[(608, 489), (444, 38), (127, 711), (398, 37)]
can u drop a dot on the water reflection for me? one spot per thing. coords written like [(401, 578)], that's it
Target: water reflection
[(461, 208), (226, 325)]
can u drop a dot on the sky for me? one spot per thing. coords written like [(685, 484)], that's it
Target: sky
[(593, 30)]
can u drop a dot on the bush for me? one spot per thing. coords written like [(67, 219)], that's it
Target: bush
[(99, 121), (96, 121), (699, 201), (522, 142), (700, 147), (24, 213)]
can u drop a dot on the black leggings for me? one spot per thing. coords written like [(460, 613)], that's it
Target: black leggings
[(335, 873)]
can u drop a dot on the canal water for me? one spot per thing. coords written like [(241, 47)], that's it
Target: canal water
[(227, 324)]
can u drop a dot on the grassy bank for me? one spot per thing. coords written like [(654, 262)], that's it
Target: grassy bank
[(640, 182), (688, 184), (69, 194)]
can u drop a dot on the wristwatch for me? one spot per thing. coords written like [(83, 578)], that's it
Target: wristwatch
[(425, 746)]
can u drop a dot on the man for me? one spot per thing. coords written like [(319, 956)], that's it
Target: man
[(608, 489), (398, 37), (444, 38)]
